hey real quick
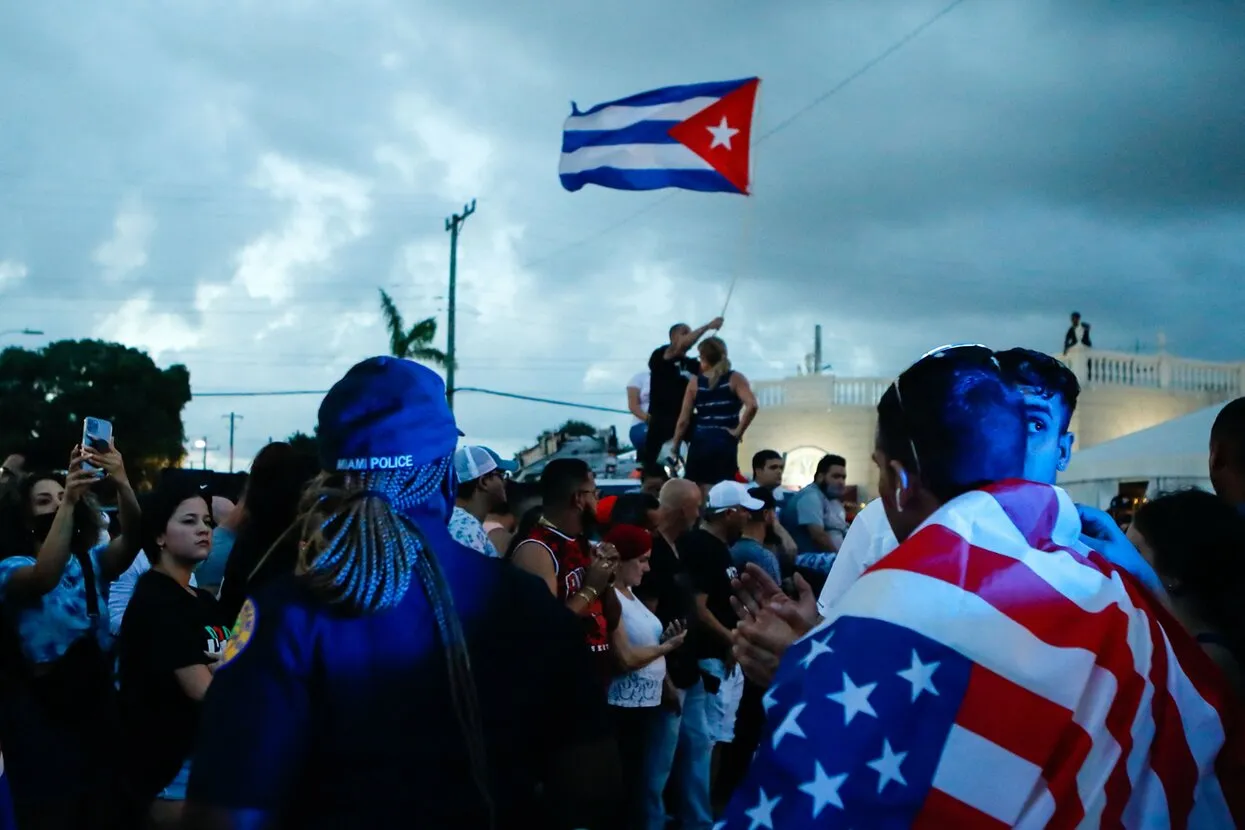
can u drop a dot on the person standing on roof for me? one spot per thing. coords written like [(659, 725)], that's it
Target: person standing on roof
[(669, 371)]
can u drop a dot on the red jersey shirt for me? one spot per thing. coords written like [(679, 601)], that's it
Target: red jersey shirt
[(571, 559)]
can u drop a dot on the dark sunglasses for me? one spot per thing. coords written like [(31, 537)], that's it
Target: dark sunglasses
[(966, 352)]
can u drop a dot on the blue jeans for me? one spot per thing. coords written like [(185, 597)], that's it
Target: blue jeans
[(682, 739), (637, 435)]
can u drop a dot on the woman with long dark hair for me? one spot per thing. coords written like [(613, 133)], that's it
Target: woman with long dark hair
[(171, 637), (58, 701), (265, 546), (396, 678)]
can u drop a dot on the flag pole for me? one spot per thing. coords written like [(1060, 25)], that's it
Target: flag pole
[(745, 236)]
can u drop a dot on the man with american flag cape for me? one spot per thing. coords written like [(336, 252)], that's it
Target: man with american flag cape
[(991, 671)]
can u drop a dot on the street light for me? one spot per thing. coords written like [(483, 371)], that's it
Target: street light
[(201, 444)]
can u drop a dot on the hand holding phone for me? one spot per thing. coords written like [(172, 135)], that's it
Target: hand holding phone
[(103, 457), (96, 441)]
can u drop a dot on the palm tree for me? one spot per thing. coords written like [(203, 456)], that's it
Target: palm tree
[(415, 343)]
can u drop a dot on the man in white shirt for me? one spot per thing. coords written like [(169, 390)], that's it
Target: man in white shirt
[(481, 490), (1050, 390), (637, 402)]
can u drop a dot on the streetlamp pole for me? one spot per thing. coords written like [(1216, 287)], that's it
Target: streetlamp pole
[(202, 444)]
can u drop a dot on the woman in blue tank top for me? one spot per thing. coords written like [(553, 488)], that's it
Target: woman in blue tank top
[(717, 409)]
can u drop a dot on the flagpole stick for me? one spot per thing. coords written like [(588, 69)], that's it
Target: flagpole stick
[(745, 237), (729, 292)]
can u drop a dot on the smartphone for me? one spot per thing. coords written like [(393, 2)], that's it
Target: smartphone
[(96, 433)]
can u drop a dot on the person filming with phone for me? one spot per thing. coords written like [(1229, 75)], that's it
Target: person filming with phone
[(58, 708)]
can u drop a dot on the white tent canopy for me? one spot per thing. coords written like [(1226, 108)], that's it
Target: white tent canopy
[(1169, 456)]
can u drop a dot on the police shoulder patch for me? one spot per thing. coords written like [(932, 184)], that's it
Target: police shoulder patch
[(243, 630)]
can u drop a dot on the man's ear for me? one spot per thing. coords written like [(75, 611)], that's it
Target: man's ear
[(1065, 450), (1216, 457), (903, 483)]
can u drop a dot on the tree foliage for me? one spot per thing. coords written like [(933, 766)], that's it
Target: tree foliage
[(45, 394), (414, 343), (304, 443), (578, 429)]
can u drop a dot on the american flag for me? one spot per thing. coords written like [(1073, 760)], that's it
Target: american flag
[(993, 672), (7, 820)]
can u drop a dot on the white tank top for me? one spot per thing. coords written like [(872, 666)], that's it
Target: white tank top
[(641, 687)]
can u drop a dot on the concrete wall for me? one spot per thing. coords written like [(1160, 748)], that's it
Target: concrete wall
[(803, 434)]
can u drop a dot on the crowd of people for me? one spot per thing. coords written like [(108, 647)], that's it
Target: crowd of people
[(395, 634)]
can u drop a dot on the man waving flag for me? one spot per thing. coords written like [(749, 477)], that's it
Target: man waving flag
[(693, 137)]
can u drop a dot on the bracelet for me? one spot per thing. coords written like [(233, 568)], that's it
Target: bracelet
[(584, 592)]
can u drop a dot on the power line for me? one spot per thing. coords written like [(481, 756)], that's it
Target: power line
[(869, 64), (912, 34), (543, 400), (477, 390)]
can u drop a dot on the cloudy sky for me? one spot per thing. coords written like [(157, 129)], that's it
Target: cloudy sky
[(227, 183)]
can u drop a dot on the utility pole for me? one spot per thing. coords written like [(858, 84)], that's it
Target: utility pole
[(453, 224), (232, 416)]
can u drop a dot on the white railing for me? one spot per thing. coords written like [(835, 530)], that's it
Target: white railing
[(820, 391), (1093, 368), (859, 391)]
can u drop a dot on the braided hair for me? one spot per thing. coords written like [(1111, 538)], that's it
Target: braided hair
[(359, 551)]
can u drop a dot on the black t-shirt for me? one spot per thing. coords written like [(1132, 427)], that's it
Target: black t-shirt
[(668, 384), (669, 584), (165, 628), (711, 566), (334, 719)]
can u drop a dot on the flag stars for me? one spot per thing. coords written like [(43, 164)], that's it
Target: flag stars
[(762, 815), (768, 700), (790, 725), (816, 649), (887, 766), (722, 134), (920, 675), (854, 699), (823, 789)]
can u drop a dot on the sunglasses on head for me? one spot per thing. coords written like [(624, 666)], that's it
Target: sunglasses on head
[(966, 352)]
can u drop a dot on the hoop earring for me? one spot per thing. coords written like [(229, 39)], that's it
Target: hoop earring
[(898, 503)]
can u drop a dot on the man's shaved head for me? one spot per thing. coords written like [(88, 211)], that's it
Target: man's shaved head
[(677, 492)]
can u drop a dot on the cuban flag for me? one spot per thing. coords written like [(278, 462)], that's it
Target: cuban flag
[(992, 672), (693, 137)]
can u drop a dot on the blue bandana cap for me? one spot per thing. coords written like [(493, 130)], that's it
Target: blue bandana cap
[(387, 413)]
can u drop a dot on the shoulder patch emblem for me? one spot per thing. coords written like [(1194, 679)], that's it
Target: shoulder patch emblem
[(243, 629)]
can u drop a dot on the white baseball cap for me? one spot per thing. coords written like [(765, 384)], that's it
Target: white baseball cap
[(471, 463), (728, 494)]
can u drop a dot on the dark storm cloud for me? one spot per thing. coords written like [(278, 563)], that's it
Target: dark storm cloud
[(1013, 157), (1013, 162)]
